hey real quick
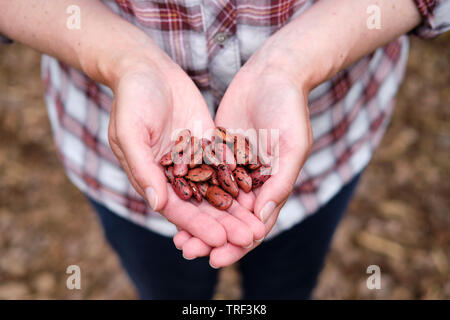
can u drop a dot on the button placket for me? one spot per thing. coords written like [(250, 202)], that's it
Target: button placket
[(220, 38)]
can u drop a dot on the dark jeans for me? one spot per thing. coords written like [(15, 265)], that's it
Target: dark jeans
[(285, 267)]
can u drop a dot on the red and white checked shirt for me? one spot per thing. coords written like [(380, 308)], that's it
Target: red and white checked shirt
[(211, 40)]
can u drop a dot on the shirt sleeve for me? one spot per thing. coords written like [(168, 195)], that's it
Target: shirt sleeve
[(435, 18)]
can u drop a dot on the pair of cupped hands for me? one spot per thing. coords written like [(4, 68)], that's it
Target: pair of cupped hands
[(153, 99)]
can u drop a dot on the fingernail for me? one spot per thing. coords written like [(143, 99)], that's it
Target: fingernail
[(152, 197), (267, 211), (212, 266), (249, 246), (260, 240), (187, 258)]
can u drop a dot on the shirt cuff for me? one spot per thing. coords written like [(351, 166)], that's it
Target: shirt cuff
[(435, 18)]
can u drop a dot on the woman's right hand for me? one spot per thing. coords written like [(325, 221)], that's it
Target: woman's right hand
[(151, 101), (153, 97)]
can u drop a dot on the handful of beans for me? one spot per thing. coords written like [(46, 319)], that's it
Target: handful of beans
[(215, 169)]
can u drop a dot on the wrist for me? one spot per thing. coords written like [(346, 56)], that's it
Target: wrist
[(307, 58), (331, 35), (279, 56), (117, 58)]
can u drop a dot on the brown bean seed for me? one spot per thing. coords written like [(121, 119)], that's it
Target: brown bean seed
[(209, 157), (254, 166), (219, 198), (226, 180), (180, 169), (192, 165), (241, 152), (225, 155), (205, 142), (214, 181), (259, 176), (169, 173), (183, 141), (166, 160), (243, 180), (182, 188), (195, 191), (203, 187), (222, 135), (196, 152), (200, 174)]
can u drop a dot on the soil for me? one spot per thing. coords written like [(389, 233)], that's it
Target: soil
[(398, 220)]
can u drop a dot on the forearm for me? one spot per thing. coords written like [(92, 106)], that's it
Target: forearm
[(98, 48), (332, 35)]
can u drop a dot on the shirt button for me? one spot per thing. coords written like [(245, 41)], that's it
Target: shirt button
[(221, 37)]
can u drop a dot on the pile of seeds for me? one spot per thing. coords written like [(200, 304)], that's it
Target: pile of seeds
[(215, 170)]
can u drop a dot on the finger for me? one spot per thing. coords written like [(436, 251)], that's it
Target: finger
[(119, 155), (195, 248), (279, 186), (247, 200), (192, 247), (249, 219), (237, 231), (181, 238), (229, 253), (134, 142), (191, 218)]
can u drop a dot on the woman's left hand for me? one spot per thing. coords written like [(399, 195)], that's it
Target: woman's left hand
[(262, 98)]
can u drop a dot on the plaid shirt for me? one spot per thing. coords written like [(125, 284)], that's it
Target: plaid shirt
[(211, 40)]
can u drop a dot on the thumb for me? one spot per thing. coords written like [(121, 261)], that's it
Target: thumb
[(145, 170), (278, 187)]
